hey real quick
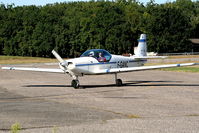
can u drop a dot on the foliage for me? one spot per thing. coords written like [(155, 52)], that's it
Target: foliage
[(55, 129), (73, 27), (15, 128)]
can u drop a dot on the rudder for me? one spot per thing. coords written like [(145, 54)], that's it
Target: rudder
[(142, 47)]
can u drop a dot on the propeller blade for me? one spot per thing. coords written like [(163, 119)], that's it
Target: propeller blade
[(57, 56)]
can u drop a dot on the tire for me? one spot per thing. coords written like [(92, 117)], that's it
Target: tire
[(119, 82), (75, 84)]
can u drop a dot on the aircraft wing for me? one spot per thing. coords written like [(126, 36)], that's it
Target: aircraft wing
[(34, 69), (117, 70), (149, 57)]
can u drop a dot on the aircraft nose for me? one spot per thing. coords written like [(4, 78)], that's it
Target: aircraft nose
[(71, 65), (65, 63)]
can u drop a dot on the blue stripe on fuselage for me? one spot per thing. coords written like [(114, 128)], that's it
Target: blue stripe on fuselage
[(104, 63), (101, 63)]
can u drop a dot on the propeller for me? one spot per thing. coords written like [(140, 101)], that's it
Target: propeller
[(63, 64)]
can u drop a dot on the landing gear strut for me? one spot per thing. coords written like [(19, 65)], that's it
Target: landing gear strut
[(118, 81), (75, 83)]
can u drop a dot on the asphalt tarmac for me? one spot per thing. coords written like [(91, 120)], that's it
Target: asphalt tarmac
[(149, 102)]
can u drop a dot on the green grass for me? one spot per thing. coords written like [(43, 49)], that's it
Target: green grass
[(22, 60), (177, 57), (15, 128), (193, 69), (183, 56)]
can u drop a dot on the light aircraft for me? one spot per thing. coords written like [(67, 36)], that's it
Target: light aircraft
[(100, 61)]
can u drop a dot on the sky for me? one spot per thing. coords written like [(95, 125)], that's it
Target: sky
[(44, 2)]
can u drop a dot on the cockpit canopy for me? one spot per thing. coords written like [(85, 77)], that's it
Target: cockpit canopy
[(100, 54)]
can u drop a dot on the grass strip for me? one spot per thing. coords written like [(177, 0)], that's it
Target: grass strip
[(24, 60)]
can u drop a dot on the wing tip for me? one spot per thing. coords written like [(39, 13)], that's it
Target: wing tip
[(7, 68)]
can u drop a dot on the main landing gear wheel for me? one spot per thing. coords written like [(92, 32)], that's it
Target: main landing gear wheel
[(75, 84), (119, 82)]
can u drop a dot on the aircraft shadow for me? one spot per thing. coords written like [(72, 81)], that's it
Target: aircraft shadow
[(163, 85), (157, 83), (144, 83), (47, 86), (81, 86), (141, 81), (127, 83)]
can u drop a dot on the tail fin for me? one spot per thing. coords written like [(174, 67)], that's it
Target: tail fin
[(142, 47), (141, 51)]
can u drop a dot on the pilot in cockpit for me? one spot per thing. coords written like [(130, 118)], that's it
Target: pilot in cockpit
[(91, 54), (101, 58)]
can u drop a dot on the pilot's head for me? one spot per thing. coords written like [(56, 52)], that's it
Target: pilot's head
[(100, 54), (91, 54)]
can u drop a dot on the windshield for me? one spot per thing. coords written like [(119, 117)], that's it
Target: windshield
[(100, 54)]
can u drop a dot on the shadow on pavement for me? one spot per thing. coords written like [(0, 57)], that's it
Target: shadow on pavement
[(127, 83)]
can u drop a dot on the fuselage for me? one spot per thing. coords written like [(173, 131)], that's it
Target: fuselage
[(89, 65)]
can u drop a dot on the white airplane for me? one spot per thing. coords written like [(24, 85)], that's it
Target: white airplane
[(99, 61)]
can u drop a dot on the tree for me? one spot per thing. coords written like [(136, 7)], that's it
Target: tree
[(161, 28), (73, 27)]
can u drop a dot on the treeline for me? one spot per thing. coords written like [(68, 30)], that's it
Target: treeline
[(73, 27)]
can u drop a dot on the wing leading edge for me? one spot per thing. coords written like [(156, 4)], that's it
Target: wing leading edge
[(34, 69), (142, 68)]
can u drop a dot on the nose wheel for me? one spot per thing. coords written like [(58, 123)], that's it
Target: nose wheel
[(75, 84)]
